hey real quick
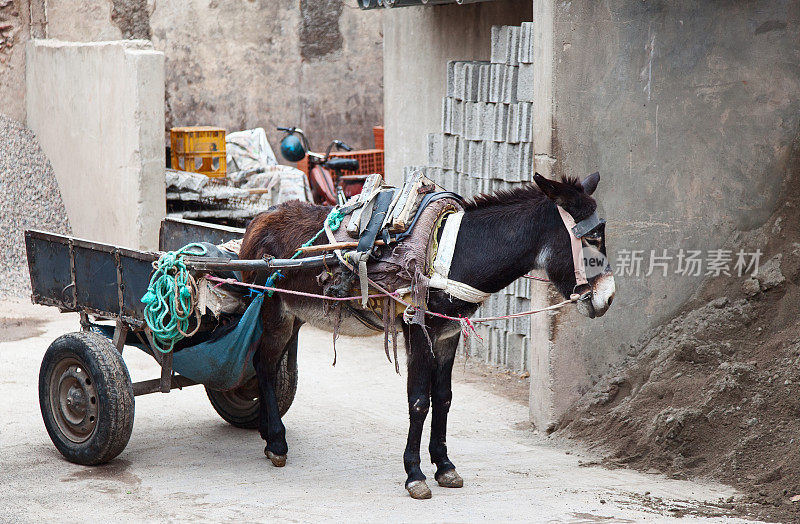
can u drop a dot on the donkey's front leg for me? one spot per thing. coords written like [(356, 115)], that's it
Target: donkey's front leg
[(441, 395), (420, 364)]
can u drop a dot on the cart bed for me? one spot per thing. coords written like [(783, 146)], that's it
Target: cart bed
[(80, 275)]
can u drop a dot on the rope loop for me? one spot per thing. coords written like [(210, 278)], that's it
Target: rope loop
[(170, 300)]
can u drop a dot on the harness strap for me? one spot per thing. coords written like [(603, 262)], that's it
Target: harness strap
[(577, 247), (444, 258)]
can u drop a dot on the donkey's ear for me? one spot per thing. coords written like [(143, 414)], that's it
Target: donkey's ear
[(553, 190), (590, 183)]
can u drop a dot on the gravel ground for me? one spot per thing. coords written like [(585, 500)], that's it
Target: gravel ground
[(29, 198)]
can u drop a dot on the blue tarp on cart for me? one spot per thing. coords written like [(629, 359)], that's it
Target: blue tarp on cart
[(225, 362)]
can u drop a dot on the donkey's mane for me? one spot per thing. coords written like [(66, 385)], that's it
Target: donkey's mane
[(524, 193)]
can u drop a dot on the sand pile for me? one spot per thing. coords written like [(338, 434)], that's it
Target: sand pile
[(716, 392)]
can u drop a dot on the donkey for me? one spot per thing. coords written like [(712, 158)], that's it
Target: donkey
[(502, 237)]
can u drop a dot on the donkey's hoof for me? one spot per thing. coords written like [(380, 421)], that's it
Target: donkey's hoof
[(277, 460), (450, 479), (418, 489)]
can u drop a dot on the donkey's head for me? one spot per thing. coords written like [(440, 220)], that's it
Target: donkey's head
[(582, 239)]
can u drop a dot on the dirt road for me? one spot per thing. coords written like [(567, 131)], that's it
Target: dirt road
[(346, 433)]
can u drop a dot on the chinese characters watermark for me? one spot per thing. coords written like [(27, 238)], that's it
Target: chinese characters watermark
[(687, 262)]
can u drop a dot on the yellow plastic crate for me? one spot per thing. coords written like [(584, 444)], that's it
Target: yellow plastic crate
[(199, 149)]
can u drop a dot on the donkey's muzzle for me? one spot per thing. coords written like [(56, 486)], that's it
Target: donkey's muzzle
[(603, 291)]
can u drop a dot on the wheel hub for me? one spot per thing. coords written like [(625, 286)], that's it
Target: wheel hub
[(73, 399)]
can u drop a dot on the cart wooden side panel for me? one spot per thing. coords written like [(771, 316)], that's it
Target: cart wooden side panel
[(79, 275)]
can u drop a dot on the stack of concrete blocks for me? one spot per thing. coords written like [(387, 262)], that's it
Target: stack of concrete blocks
[(486, 145)]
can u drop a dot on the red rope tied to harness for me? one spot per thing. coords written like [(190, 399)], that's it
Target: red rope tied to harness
[(410, 309), (532, 277)]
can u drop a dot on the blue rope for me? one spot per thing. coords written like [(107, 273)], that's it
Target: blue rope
[(168, 301)]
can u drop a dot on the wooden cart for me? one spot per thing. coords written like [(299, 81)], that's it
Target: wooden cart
[(85, 391)]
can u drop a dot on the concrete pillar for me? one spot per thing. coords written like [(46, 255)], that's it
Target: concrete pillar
[(98, 112), (539, 82)]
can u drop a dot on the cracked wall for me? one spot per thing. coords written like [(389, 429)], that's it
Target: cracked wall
[(259, 63)]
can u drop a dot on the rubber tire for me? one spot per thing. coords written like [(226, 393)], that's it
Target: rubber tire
[(285, 389), (115, 399)]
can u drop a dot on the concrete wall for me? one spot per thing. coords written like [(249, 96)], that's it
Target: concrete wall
[(98, 112), (689, 111), (313, 64), (418, 42)]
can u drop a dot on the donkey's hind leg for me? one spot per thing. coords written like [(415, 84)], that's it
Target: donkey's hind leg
[(441, 395), (274, 339), (420, 364)]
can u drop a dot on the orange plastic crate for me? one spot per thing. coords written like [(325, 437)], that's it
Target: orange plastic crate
[(377, 131), (199, 149)]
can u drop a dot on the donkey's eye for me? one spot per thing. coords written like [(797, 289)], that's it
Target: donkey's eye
[(594, 240)]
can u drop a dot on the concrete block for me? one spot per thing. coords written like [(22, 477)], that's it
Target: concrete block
[(499, 44), (508, 307), (512, 45), (450, 180), (473, 123), (450, 145), (496, 80), (526, 354), (476, 159), (469, 121), (475, 184), (525, 87), (458, 118), (512, 124), (462, 158), (525, 288), (513, 163), (519, 326), (458, 80), (451, 79), (464, 187), (484, 80), (487, 159), (514, 347), (501, 160), (509, 90), (525, 125), (501, 114), (98, 112), (487, 121), (525, 52), (435, 153), (499, 341), (526, 169), (471, 74), (447, 115)]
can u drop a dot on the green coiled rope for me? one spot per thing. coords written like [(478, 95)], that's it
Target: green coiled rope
[(169, 301)]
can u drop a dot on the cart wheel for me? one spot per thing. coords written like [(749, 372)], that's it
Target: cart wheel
[(239, 407), (86, 398)]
